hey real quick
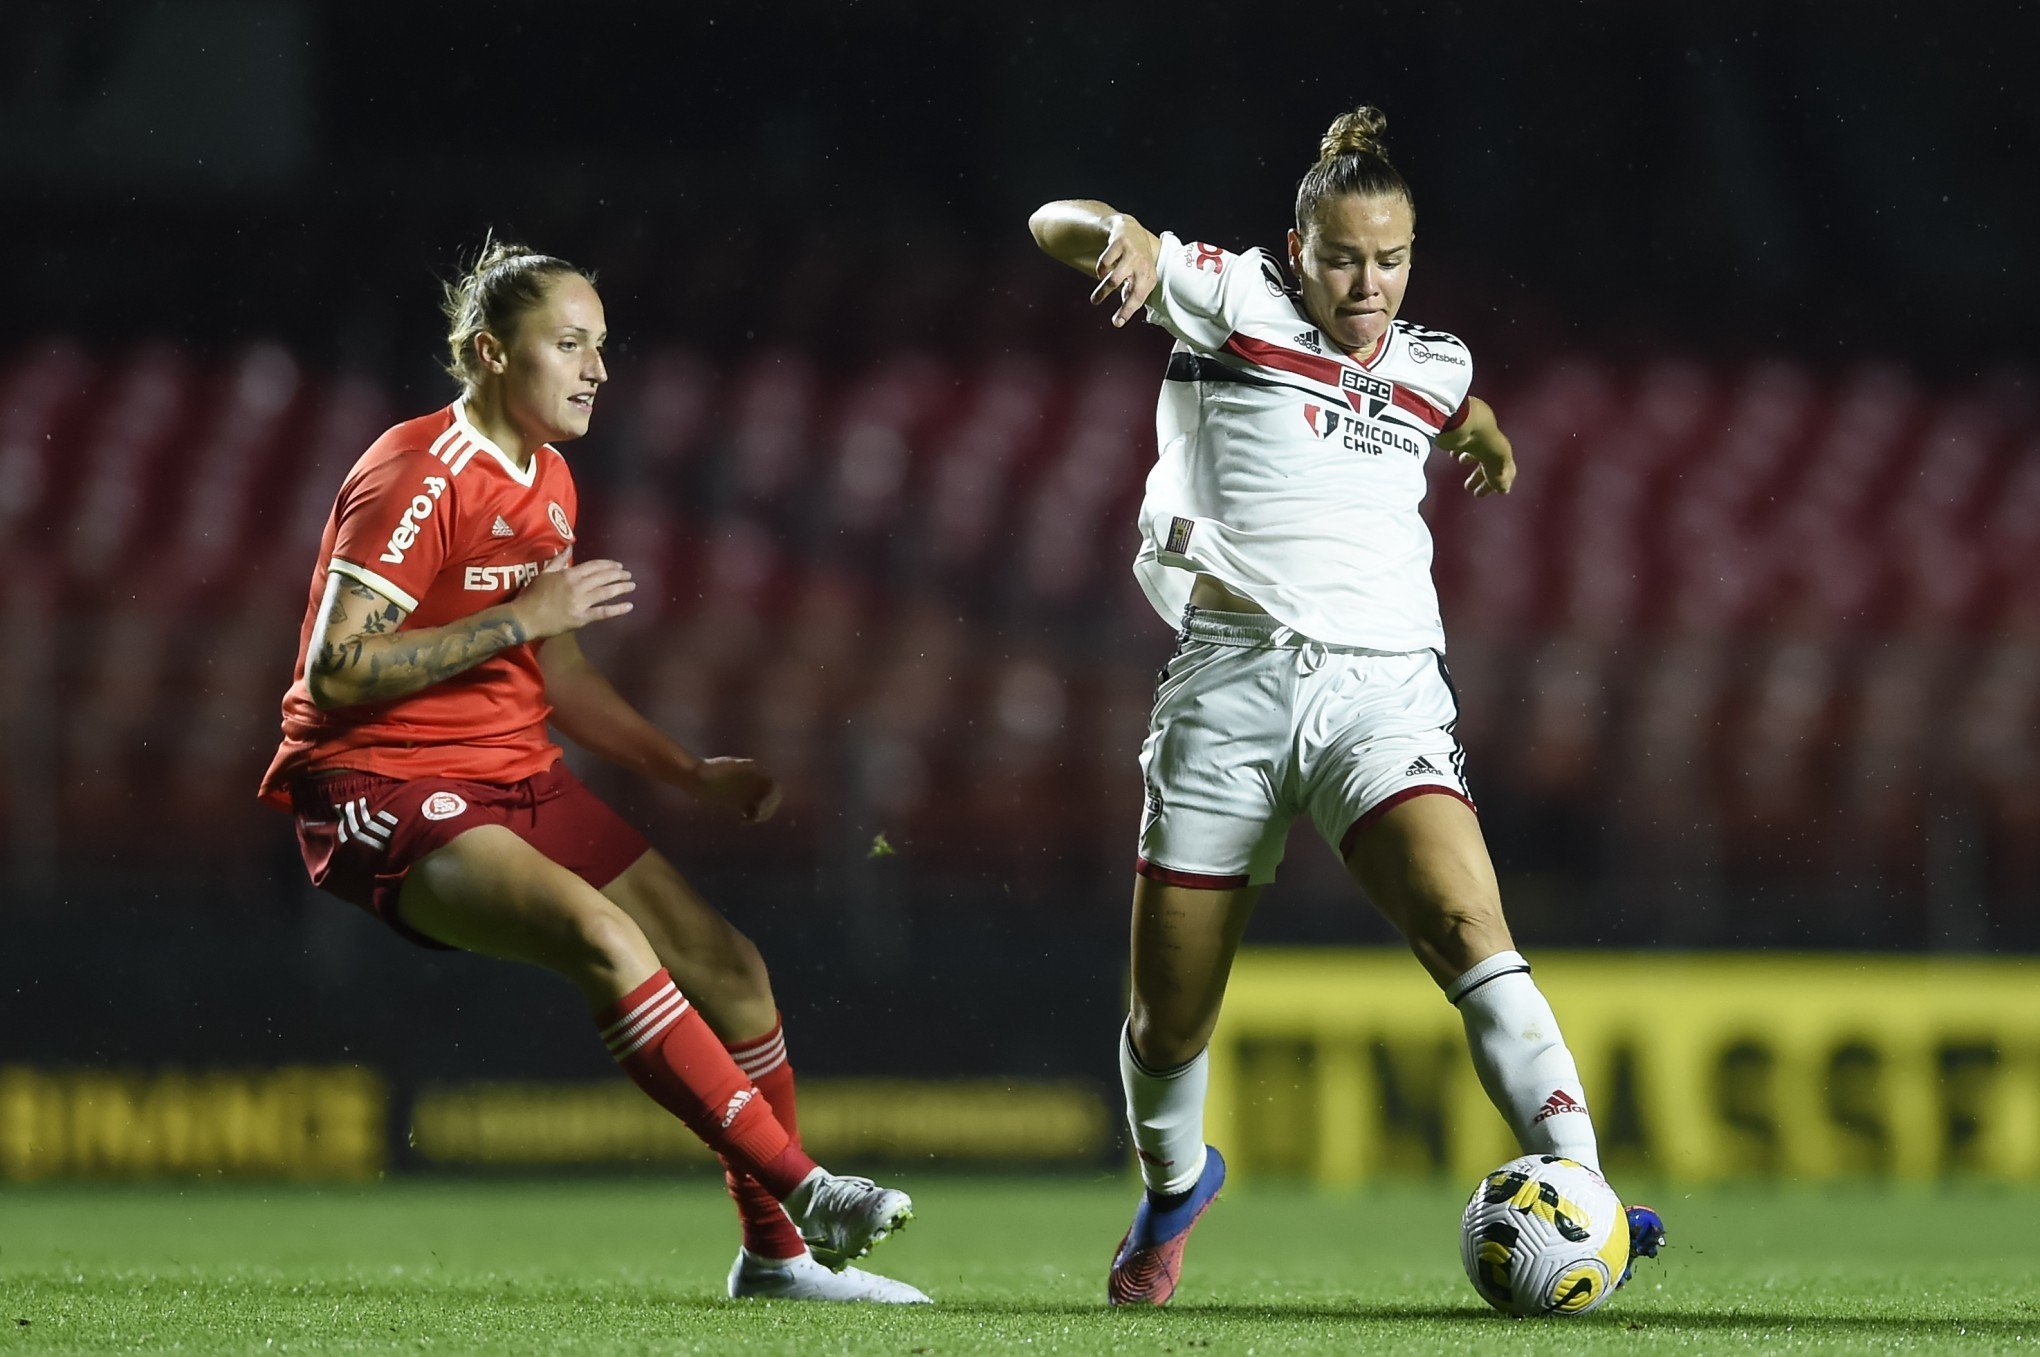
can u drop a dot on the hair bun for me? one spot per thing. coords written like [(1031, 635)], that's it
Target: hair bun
[(506, 279), (1356, 133), (497, 252)]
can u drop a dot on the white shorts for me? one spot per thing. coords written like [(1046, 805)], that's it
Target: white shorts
[(1254, 723)]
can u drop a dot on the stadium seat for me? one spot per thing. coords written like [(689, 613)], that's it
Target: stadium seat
[(1718, 596)]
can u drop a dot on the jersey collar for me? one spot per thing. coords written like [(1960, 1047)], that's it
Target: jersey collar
[(481, 440), (1374, 354)]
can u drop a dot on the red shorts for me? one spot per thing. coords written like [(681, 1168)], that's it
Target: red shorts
[(360, 832)]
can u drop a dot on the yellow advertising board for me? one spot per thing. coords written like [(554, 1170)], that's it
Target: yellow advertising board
[(1347, 1065), (307, 1123), (335, 1124), (559, 1125)]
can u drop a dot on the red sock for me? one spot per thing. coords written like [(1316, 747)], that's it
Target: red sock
[(767, 1231), (668, 1051)]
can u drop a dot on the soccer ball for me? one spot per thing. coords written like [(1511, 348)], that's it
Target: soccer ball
[(1544, 1236)]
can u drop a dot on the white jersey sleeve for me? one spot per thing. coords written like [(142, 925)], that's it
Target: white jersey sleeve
[(1203, 293), (1435, 365)]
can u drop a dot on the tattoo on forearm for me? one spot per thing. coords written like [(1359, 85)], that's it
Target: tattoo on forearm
[(399, 664), (409, 663), (335, 656)]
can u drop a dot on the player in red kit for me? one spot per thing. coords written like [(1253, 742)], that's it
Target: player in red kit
[(438, 641)]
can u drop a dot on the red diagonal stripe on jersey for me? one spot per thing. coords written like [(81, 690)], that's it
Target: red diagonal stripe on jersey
[(1268, 355), (1421, 408), (1326, 370)]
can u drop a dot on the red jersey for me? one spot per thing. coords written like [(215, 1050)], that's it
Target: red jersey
[(438, 518)]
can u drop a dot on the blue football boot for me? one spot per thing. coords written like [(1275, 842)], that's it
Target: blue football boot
[(1646, 1237), (1150, 1258)]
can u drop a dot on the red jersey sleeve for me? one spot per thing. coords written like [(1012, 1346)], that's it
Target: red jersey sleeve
[(395, 525)]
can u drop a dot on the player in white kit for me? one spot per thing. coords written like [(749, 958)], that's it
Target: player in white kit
[(1281, 525)]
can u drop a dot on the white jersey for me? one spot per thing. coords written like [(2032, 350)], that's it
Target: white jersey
[(1289, 471)]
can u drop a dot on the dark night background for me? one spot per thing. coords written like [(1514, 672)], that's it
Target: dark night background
[(1750, 283)]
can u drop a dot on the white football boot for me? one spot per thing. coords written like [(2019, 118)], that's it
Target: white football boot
[(841, 1217), (803, 1278)]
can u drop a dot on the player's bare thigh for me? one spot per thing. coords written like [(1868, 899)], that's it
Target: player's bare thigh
[(1183, 946), (489, 892), (714, 964), (1425, 865)]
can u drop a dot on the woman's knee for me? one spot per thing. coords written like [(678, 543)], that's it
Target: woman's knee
[(684, 929), (1451, 937), (746, 964), (598, 944), (1162, 1041)]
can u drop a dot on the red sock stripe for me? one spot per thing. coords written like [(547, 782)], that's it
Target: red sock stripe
[(629, 1033)]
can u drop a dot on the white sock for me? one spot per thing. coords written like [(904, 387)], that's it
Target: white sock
[(1165, 1113), (1522, 1059)]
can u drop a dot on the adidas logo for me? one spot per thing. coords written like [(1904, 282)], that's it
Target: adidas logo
[(502, 529), (1308, 340), (736, 1105), (1559, 1101), (1421, 767)]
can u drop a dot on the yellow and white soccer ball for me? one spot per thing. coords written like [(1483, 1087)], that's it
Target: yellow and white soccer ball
[(1544, 1236)]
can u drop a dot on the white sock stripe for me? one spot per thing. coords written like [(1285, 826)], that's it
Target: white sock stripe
[(777, 1037), (347, 809), (667, 1005), (763, 1064), (770, 1062), (658, 1002), (661, 1025), (775, 1042)]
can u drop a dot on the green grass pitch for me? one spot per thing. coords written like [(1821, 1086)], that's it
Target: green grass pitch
[(1016, 1266)]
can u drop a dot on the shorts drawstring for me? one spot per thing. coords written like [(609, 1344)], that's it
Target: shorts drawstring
[(1311, 654)]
